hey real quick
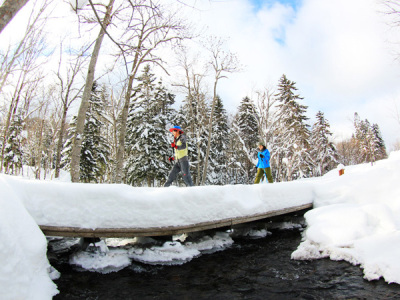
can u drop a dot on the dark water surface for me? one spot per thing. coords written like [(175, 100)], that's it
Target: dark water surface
[(249, 269)]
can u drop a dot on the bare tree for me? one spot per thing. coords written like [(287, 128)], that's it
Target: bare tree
[(392, 8), (9, 63), (8, 10), (35, 126), (265, 102), (113, 102), (192, 84), (69, 91), (148, 28), (24, 64), (77, 140), (222, 63)]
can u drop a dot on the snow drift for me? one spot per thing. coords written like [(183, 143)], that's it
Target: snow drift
[(24, 272), (356, 218)]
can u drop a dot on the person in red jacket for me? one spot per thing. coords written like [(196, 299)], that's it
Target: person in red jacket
[(181, 158)]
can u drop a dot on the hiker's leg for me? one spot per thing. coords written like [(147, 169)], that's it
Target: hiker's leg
[(172, 175), (186, 173), (269, 174), (259, 175)]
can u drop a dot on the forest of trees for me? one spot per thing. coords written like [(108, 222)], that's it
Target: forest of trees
[(122, 135)]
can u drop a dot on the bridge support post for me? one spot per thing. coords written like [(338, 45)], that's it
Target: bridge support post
[(85, 242)]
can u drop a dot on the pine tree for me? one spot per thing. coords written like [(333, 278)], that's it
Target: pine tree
[(368, 139), (245, 126), (13, 149), (234, 172), (193, 115), (95, 150), (323, 151), (219, 143), (364, 140), (290, 153), (380, 148), (147, 145), (67, 147)]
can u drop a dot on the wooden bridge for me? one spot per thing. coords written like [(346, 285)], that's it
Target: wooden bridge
[(164, 231)]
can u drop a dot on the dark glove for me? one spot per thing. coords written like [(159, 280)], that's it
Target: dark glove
[(174, 146), (262, 156), (171, 158)]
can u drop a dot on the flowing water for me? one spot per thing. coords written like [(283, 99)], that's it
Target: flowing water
[(250, 268)]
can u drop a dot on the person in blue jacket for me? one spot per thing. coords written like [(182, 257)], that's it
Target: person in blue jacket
[(263, 166)]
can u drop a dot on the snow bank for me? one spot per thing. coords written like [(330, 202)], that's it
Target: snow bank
[(23, 262), (357, 219), (122, 206)]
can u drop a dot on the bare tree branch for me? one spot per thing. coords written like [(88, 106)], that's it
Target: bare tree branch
[(222, 62)]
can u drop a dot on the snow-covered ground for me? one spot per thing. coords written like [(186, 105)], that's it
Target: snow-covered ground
[(356, 218)]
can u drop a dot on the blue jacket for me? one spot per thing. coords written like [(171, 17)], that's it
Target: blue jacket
[(263, 162)]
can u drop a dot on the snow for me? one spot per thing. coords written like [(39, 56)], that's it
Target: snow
[(24, 272), (355, 218), (117, 254), (122, 206)]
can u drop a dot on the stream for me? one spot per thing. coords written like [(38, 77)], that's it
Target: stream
[(249, 268)]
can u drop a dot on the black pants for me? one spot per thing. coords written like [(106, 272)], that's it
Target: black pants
[(180, 166)]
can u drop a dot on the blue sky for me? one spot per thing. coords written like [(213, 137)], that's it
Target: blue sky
[(258, 4), (279, 33)]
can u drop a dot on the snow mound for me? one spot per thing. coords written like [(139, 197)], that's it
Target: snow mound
[(356, 219), (25, 269)]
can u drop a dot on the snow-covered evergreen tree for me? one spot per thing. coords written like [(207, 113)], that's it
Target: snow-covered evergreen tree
[(147, 144), (245, 127), (323, 151), (13, 150), (290, 155), (380, 148), (368, 139), (219, 145), (234, 172), (95, 148), (66, 152)]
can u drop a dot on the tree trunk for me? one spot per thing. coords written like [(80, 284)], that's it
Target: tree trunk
[(60, 140), (80, 124), (39, 151), (8, 10), (210, 127), (122, 133), (198, 177)]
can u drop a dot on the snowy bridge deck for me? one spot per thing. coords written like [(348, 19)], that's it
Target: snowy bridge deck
[(118, 210), (162, 231)]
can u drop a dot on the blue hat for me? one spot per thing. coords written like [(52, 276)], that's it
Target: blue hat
[(176, 128)]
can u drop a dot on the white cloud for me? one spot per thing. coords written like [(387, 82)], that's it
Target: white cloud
[(337, 52)]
